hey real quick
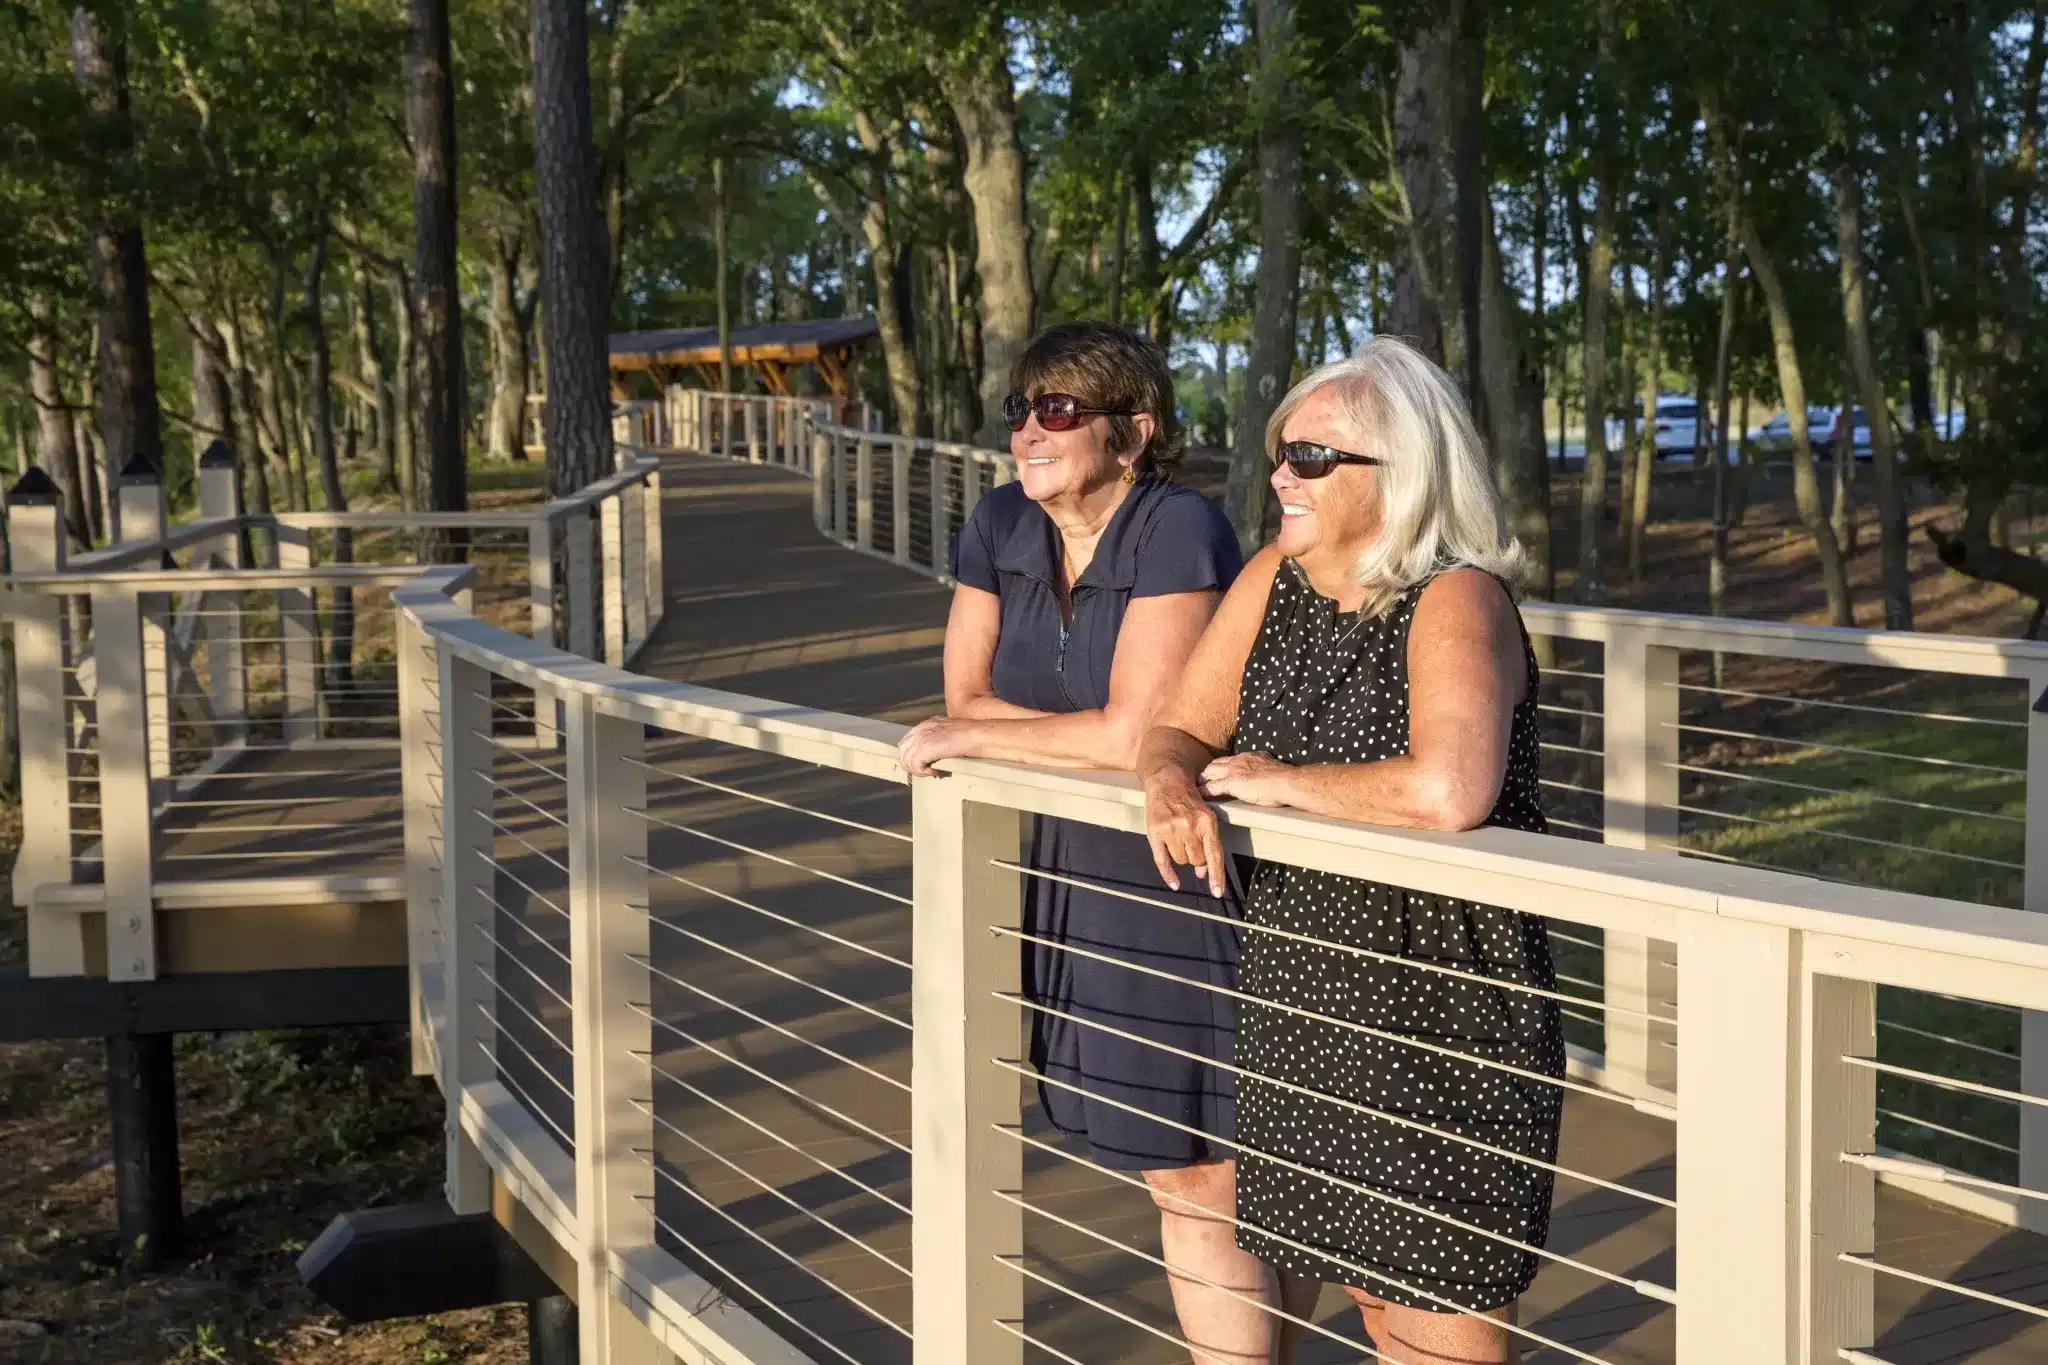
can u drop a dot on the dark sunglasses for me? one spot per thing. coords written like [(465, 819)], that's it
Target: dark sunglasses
[(1311, 461), (1056, 411)]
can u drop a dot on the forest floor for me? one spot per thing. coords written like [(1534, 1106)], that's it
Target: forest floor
[(280, 1131)]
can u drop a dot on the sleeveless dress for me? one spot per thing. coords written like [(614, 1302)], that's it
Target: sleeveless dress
[(1138, 1107), (1326, 687)]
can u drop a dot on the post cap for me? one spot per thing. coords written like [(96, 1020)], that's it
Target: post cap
[(217, 456), (140, 469), (35, 489)]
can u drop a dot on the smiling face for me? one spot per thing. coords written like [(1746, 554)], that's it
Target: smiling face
[(1070, 465), (1326, 521)]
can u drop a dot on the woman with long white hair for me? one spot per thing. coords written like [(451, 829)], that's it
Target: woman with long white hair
[(1371, 665)]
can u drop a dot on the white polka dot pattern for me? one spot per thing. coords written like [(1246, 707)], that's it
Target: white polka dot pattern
[(1323, 687)]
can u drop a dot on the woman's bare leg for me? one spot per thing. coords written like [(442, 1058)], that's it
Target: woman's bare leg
[(1416, 1336), (1219, 1324)]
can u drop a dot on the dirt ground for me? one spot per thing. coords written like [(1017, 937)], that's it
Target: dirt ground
[(282, 1131)]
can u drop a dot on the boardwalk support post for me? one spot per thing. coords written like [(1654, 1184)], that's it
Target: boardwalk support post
[(142, 1108), (1639, 720)]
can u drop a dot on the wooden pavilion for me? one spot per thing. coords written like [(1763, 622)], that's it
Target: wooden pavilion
[(772, 349)]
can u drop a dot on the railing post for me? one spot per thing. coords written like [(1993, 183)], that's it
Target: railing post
[(226, 653), (1639, 698), (540, 592), (654, 591), (420, 784), (1837, 1201), (581, 601), (466, 914), (610, 1031), (864, 493), (1739, 1083), (36, 537), (2033, 1165), (299, 628), (821, 478), (839, 486), (899, 498), (612, 564), (633, 564), (752, 409), (727, 405), (965, 1117), (127, 823), (970, 485), (143, 519), (941, 547)]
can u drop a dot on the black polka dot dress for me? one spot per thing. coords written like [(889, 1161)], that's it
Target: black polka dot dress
[(1391, 1207)]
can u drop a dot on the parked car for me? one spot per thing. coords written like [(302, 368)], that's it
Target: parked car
[(1677, 419), (1775, 436)]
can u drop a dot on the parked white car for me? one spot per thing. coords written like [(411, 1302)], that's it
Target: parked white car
[(1678, 419)]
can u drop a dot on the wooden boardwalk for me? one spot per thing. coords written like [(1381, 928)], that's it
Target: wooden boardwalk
[(781, 1109)]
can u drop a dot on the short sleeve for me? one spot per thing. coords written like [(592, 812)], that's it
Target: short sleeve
[(974, 551), (1188, 547)]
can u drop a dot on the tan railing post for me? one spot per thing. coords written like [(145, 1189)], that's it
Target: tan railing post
[(611, 568), (609, 1028), (654, 588), (467, 1040), (143, 519), (970, 485), (1739, 1079), (36, 537), (299, 628), (1639, 698), (127, 824), (899, 498), (632, 514), (540, 592), (752, 410), (2033, 1172), (728, 404), (226, 652), (964, 1112), (821, 477), (864, 493), (420, 783), (839, 486), (1837, 1201), (942, 561), (582, 601)]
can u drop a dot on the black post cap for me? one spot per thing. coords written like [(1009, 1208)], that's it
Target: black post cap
[(140, 469), (35, 489), (217, 456)]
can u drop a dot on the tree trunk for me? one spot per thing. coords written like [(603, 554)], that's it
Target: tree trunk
[(430, 116), (978, 89), (573, 257), (1421, 92), (1724, 344), (1896, 587), (507, 432), (405, 373), (1120, 249), (721, 256), (1513, 382), (1652, 371), (1599, 282), (130, 421), (249, 471), (341, 617), (56, 436), (1276, 285), (213, 412), (370, 362), (1468, 129), (1792, 385)]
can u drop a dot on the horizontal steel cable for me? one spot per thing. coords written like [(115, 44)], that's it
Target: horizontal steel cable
[(260, 829), (775, 1137), (1870, 797), (519, 882), (1909, 1119), (1647, 1288), (1935, 1172), (820, 1219), (1872, 1263), (1944, 1038), (1863, 839), (1340, 1102), (1848, 706), (519, 1091), (707, 1259), (511, 752), (520, 839), (191, 801), (519, 920), (247, 855), (1571, 749), (791, 977), (735, 845), (793, 1036), (1563, 1083), (1556, 822), (1820, 747), (531, 1017), (1018, 1332), (1554, 672), (766, 800), (1570, 787), (504, 790), (1293, 937), (1581, 942), (1017, 1264), (1946, 1082), (783, 1086), (1550, 709), (728, 897), (507, 1035)]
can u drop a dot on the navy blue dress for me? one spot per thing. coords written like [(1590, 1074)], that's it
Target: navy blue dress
[(1162, 539)]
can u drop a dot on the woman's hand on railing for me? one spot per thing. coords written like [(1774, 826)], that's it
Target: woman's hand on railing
[(1182, 829), (930, 741), (1255, 779)]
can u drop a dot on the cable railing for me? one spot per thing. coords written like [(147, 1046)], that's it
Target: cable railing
[(795, 1022)]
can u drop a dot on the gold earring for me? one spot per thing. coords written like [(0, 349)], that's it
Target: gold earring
[(1130, 473)]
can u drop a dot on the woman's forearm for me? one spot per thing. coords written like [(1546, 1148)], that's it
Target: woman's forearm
[(1402, 792), (988, 706), (1073, 739), (1169, 750)]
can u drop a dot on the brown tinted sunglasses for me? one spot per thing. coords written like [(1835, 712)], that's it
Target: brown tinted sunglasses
[(1309, 460), (1056, 411)]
